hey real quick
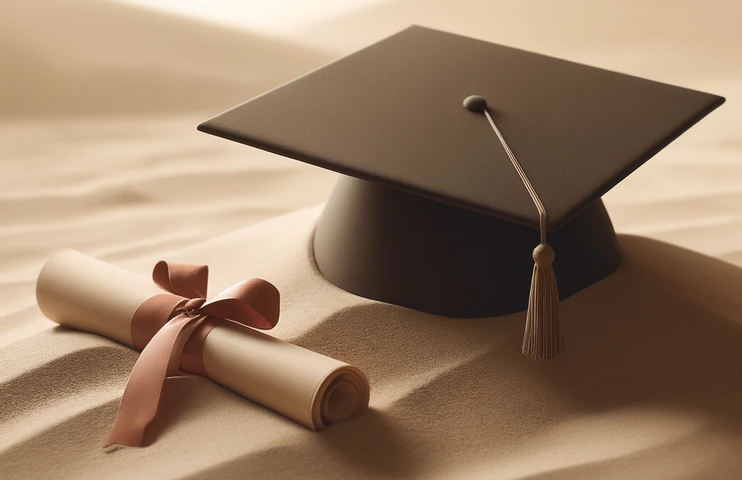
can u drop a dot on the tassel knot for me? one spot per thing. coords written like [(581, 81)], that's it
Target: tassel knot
[(543, 255)]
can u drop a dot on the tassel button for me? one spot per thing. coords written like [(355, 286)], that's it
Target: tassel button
[(543, 255)]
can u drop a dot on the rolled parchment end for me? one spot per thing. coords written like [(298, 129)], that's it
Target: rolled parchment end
[(343, 395), (310, 388), (87, 294), (84, 293)]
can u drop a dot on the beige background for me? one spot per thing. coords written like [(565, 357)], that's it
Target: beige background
[(99, 152)]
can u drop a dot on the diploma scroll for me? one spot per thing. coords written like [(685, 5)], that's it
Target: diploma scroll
[(86, 294)]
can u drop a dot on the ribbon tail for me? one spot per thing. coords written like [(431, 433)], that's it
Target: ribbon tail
[(159, 359)]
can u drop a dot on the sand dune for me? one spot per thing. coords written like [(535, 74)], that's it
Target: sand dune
[(121, 188), (707, 31), (85, 57)]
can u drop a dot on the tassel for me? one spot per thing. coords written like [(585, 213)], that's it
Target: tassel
[(543, 339)]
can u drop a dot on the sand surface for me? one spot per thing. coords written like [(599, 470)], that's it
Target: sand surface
[(99, 152)]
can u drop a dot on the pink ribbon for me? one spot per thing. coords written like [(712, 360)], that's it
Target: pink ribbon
[(170, 329)]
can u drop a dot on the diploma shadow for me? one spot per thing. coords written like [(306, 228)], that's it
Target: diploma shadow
[(366, 446), (371, 442)]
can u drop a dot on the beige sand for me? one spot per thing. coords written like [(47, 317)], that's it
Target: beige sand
[(650, 385)]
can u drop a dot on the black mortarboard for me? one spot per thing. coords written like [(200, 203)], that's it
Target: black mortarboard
[(433, 215)]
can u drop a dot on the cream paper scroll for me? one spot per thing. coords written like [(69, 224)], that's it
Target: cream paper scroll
[(84, 293)]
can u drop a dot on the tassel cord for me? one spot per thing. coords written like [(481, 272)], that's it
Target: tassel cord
[(523, 177)]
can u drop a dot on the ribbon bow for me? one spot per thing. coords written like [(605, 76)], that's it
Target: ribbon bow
[(170, 329)]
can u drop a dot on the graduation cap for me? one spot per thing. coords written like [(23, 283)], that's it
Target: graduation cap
[(440, 205)]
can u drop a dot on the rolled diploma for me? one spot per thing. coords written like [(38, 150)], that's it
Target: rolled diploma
[(84, 293)]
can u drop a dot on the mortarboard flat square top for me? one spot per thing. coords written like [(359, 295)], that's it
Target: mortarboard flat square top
[(392, 114)]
